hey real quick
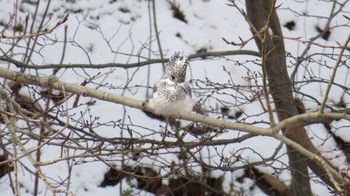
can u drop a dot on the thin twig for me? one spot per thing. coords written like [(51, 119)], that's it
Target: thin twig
[(331, 80), (157, 32), (30, 35)]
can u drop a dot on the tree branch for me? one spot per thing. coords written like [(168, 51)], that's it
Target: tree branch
[(54, 83), (20, 64), (30, 35)]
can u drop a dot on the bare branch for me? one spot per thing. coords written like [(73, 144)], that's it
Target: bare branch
[(129, 65), (53, 82), (31, 35)]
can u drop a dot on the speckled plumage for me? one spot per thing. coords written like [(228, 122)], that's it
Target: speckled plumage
[(172, 94)]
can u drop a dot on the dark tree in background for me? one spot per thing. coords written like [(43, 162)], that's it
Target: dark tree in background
[(263, 16)]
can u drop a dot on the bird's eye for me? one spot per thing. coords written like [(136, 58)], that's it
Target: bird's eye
[(173, 77)]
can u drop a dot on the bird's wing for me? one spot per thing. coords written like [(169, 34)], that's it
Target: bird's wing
[(160, 85)]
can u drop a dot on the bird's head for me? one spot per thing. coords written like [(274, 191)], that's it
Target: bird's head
[(175, 69)]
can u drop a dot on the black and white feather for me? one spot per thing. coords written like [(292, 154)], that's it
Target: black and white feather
[(172, 94)]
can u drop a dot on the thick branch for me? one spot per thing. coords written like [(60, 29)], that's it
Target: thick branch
[(54, 83)]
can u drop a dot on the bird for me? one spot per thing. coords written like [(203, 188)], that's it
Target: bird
[(172, 94)]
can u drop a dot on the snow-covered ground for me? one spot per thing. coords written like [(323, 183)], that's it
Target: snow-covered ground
[(107, 31)]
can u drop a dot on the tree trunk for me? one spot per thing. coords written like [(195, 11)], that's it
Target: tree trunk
[(258, 12), (261, 13)]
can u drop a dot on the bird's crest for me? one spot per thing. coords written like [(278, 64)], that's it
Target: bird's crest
[(176, 67)]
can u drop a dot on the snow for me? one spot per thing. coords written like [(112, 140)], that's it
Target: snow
[(100, 32)]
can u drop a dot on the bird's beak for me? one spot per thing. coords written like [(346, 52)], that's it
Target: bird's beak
[(182, 85)]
